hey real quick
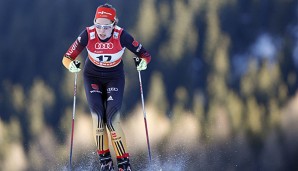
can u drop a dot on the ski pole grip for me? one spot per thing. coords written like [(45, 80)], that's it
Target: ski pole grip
[(137, 60), (77, 63)]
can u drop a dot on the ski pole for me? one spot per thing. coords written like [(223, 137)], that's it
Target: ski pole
[(73, 118), (144, 112)]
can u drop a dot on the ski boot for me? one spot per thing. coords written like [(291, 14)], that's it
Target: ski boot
[(106, 162), (123, 164)]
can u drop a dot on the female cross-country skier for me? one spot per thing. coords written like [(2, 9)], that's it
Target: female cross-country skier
[(104, 80)]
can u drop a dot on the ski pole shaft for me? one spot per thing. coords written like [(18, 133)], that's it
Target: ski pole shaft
[(73, 119), (145, 119)]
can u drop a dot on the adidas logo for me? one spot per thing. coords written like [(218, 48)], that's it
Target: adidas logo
[(110, 98)]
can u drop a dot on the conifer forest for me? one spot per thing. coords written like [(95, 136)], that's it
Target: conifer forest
[(220, 91)]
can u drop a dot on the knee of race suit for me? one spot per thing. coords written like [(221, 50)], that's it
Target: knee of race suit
[(113, 122)]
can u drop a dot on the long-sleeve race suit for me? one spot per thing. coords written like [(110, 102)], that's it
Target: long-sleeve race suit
[(104, 82)]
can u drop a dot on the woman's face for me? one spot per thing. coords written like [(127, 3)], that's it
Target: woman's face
[(104, 27)]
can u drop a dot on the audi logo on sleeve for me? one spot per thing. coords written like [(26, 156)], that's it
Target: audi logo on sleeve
[(107, 45)]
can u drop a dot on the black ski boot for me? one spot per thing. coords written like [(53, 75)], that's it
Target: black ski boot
[(123, 164), (106, 162)]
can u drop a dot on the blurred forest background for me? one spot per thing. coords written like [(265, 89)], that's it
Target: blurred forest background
[(220, 91)]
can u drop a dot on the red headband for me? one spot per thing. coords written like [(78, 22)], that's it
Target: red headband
[(104, 12)]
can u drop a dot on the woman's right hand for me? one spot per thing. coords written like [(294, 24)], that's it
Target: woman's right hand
[(74, 66)]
